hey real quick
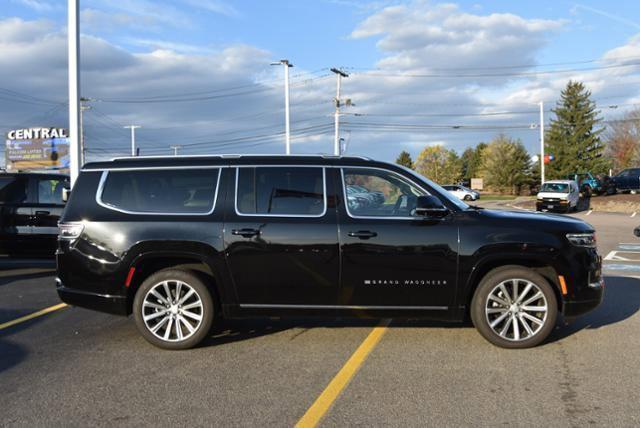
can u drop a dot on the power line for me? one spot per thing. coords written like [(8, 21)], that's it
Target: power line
[(530, 73)]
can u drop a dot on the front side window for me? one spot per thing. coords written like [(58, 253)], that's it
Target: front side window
[(281, 191), (167, 191), (379, 193), (50, 191)]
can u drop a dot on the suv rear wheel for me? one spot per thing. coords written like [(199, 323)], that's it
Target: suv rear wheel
[(173, 309), (514, 307)]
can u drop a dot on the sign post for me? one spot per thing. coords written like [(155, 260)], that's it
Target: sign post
[(73, 32)]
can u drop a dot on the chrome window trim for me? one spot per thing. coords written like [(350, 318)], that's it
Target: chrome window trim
[(356, 307), (105, 174), (361, 217), (324, 190)]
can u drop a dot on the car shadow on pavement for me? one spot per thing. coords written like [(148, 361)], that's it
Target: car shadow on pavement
[(7, 278), (251, 328), (621, 301), (11, 354)]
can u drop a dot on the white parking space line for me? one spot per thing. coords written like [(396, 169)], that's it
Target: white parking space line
[(621, 267), (589, 212), (634, 214), (629, 247), (623, 256)]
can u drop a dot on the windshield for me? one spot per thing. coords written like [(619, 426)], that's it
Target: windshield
[(438, 189), (555, 188)]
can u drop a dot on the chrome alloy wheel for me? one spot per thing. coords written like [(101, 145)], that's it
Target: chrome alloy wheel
[(172, 311), (516, 309)]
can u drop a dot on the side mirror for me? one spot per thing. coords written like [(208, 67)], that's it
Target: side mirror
[(65, 194), (430, 206), (636, 231)]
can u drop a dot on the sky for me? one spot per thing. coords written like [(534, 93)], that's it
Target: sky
[(198, 73)]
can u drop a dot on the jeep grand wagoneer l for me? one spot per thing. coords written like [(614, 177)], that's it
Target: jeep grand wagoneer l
[(183, 242)]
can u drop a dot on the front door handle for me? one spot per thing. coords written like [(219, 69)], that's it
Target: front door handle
[(245, 233), (41, 213), (363, 234)]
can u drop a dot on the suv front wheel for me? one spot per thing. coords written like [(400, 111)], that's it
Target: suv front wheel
[(514, 307), (173, 309)]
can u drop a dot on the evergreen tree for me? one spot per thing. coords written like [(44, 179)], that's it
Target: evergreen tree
[(471, 161), (506, 165), (404, 159), (574, 136)]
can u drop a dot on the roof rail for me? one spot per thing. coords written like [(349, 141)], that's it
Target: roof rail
[(235, 156)]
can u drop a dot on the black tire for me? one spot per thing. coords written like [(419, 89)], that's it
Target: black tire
[(481, 296), (206, 312), (468, 198)]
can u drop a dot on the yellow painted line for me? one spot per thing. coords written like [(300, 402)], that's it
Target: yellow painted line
[(324, 402), (33, 315)]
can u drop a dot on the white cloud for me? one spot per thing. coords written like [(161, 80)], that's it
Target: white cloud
[(37, 5), (214, 6)]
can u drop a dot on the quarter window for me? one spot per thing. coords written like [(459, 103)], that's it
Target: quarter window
[(288, 191), (379, 193), (50, 191), (166, 191)]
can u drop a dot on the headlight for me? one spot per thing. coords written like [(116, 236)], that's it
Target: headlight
[(582, 239), (70, 230)]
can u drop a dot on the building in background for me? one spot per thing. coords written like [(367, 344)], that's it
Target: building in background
[(37, 149)]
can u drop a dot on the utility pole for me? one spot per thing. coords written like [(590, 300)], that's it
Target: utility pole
[(133, 137), (175, 149), (73, 48), (541, 142), (336, 141), (83, 149), (287, 129)]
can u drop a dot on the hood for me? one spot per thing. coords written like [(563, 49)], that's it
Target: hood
[(552, 195), (539, 220)]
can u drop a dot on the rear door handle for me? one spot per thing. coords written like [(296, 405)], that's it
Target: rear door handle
[(363, 234), (41, 213), (245, 233)]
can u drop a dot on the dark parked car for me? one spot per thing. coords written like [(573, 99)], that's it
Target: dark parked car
[(626, 180), (184, 242), (30, 207)]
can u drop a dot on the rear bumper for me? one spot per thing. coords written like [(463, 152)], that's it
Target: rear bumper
[(98, 302)]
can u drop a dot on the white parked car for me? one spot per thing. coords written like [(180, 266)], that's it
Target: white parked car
[(462, 193), (562, 195)]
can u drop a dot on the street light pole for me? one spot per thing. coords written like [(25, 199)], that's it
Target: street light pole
[(73, 47), (287, 129), (541, 142), (336, 140), (133, 137), (175, 149)]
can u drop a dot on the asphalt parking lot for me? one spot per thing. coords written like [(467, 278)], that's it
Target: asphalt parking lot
[(74, 367)]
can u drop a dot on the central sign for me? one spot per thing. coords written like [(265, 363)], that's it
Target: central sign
[(37, 149)]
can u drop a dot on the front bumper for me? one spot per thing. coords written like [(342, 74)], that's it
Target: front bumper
[(99, 302), (552, 205), (595, 292)]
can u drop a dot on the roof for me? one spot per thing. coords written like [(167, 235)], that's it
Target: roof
[(559, 181), (230, 159)]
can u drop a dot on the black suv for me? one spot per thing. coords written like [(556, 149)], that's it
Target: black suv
[(182, 242), (30, 207)]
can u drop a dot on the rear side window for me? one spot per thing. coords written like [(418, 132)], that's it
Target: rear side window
[(13, 190), (166, 191), (281, 191)]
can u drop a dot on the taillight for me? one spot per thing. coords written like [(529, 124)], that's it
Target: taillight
[(70, 230)]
